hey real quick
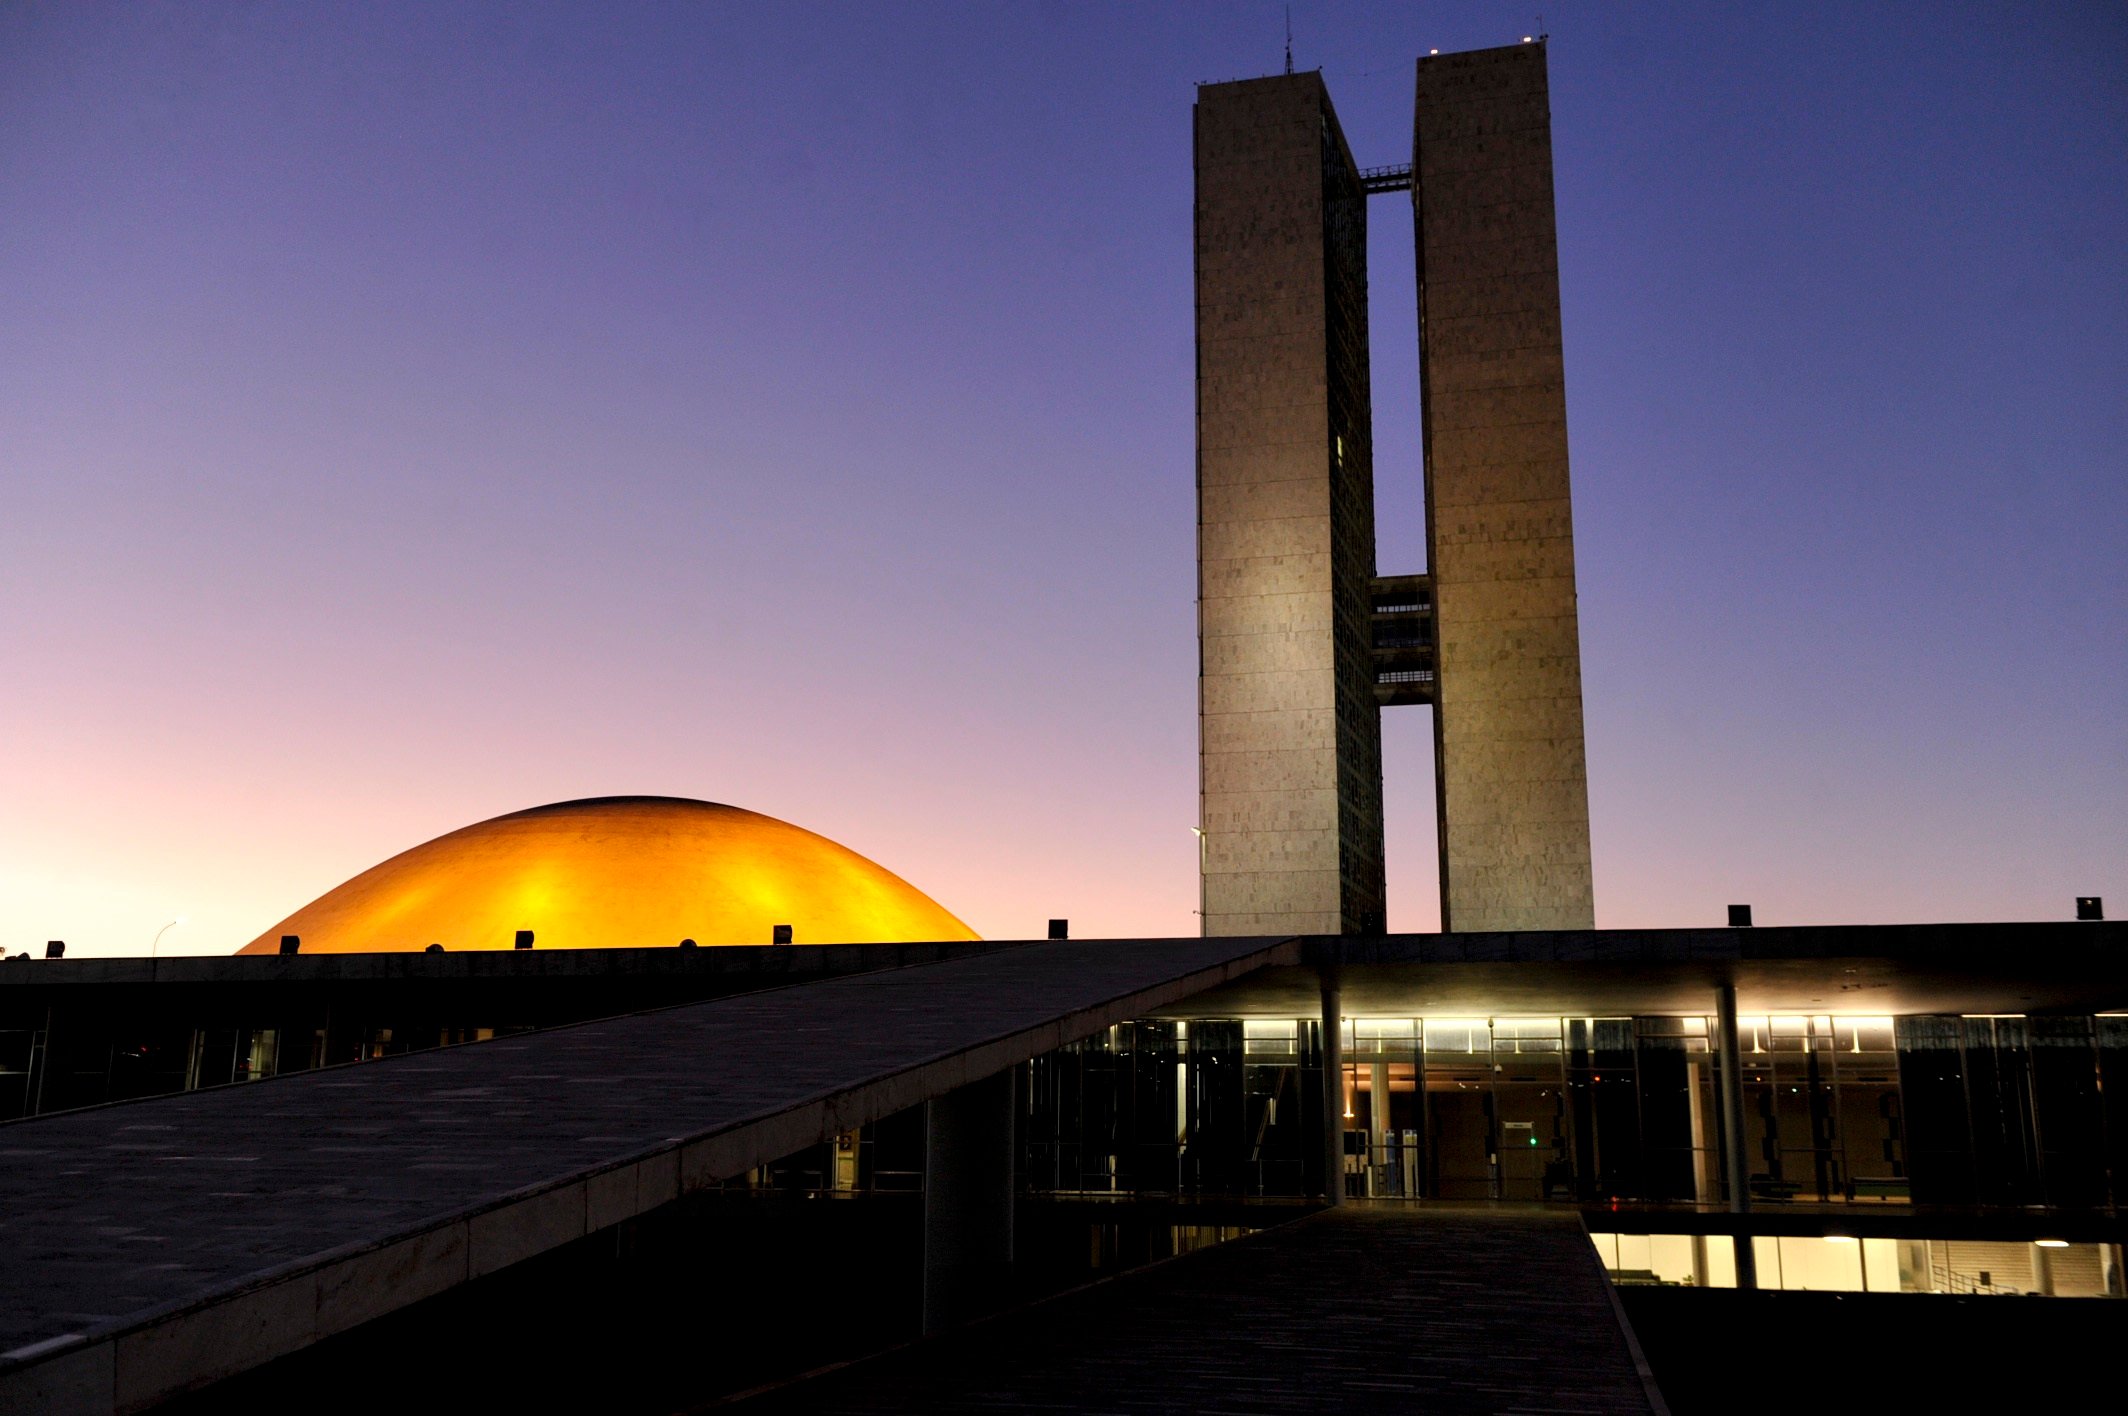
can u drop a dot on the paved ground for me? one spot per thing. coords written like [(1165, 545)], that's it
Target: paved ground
[(325, 1198), (1354, 1310)]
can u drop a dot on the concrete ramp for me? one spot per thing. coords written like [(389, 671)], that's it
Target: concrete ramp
[(1356, 1310), (152, 1247)]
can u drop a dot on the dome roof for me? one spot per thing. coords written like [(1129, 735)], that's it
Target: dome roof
[(617, 872)]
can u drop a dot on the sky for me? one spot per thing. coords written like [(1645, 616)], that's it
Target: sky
[(411, 413)]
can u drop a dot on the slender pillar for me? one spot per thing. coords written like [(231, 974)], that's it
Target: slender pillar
[(40, 1063), (1734, 1161), (967, 1201), (1333, 1087), (1377, 1127)]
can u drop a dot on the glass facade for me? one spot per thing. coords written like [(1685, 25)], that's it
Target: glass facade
[(2015, 1110), (1967, 1112), (1958, 1111)]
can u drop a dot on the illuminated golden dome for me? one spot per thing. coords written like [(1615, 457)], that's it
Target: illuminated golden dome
[(617, 872)]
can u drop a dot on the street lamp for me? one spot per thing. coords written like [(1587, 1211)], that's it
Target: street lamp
[(161, 932), (1198, 832)]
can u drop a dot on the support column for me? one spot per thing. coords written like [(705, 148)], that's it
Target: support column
[(1734, 1163), (39, 1065), (1377, 1127), (967, 1201), (1333, 1087)]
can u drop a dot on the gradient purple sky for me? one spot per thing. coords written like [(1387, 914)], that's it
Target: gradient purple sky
[(410, 413)]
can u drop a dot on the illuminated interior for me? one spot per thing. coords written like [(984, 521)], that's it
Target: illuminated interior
[(1882, 1114), (1841, 1263), (617, 872)]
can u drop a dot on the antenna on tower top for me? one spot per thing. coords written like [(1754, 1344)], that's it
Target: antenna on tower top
[(1289, 39)]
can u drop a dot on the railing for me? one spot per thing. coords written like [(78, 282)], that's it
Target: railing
[(1945, 1279), (1374, 180)]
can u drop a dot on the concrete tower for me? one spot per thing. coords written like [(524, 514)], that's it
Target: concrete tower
[(1510, 768), (1300, 643), (1291, 773)]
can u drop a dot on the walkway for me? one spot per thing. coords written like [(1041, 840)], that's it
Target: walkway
[(1361, 1310), (150, 1247)]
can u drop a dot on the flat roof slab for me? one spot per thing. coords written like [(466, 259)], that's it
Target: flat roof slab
[(777, 963), (2047, 967)]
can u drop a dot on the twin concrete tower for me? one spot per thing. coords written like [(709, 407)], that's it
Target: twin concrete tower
[(1301, 644)]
